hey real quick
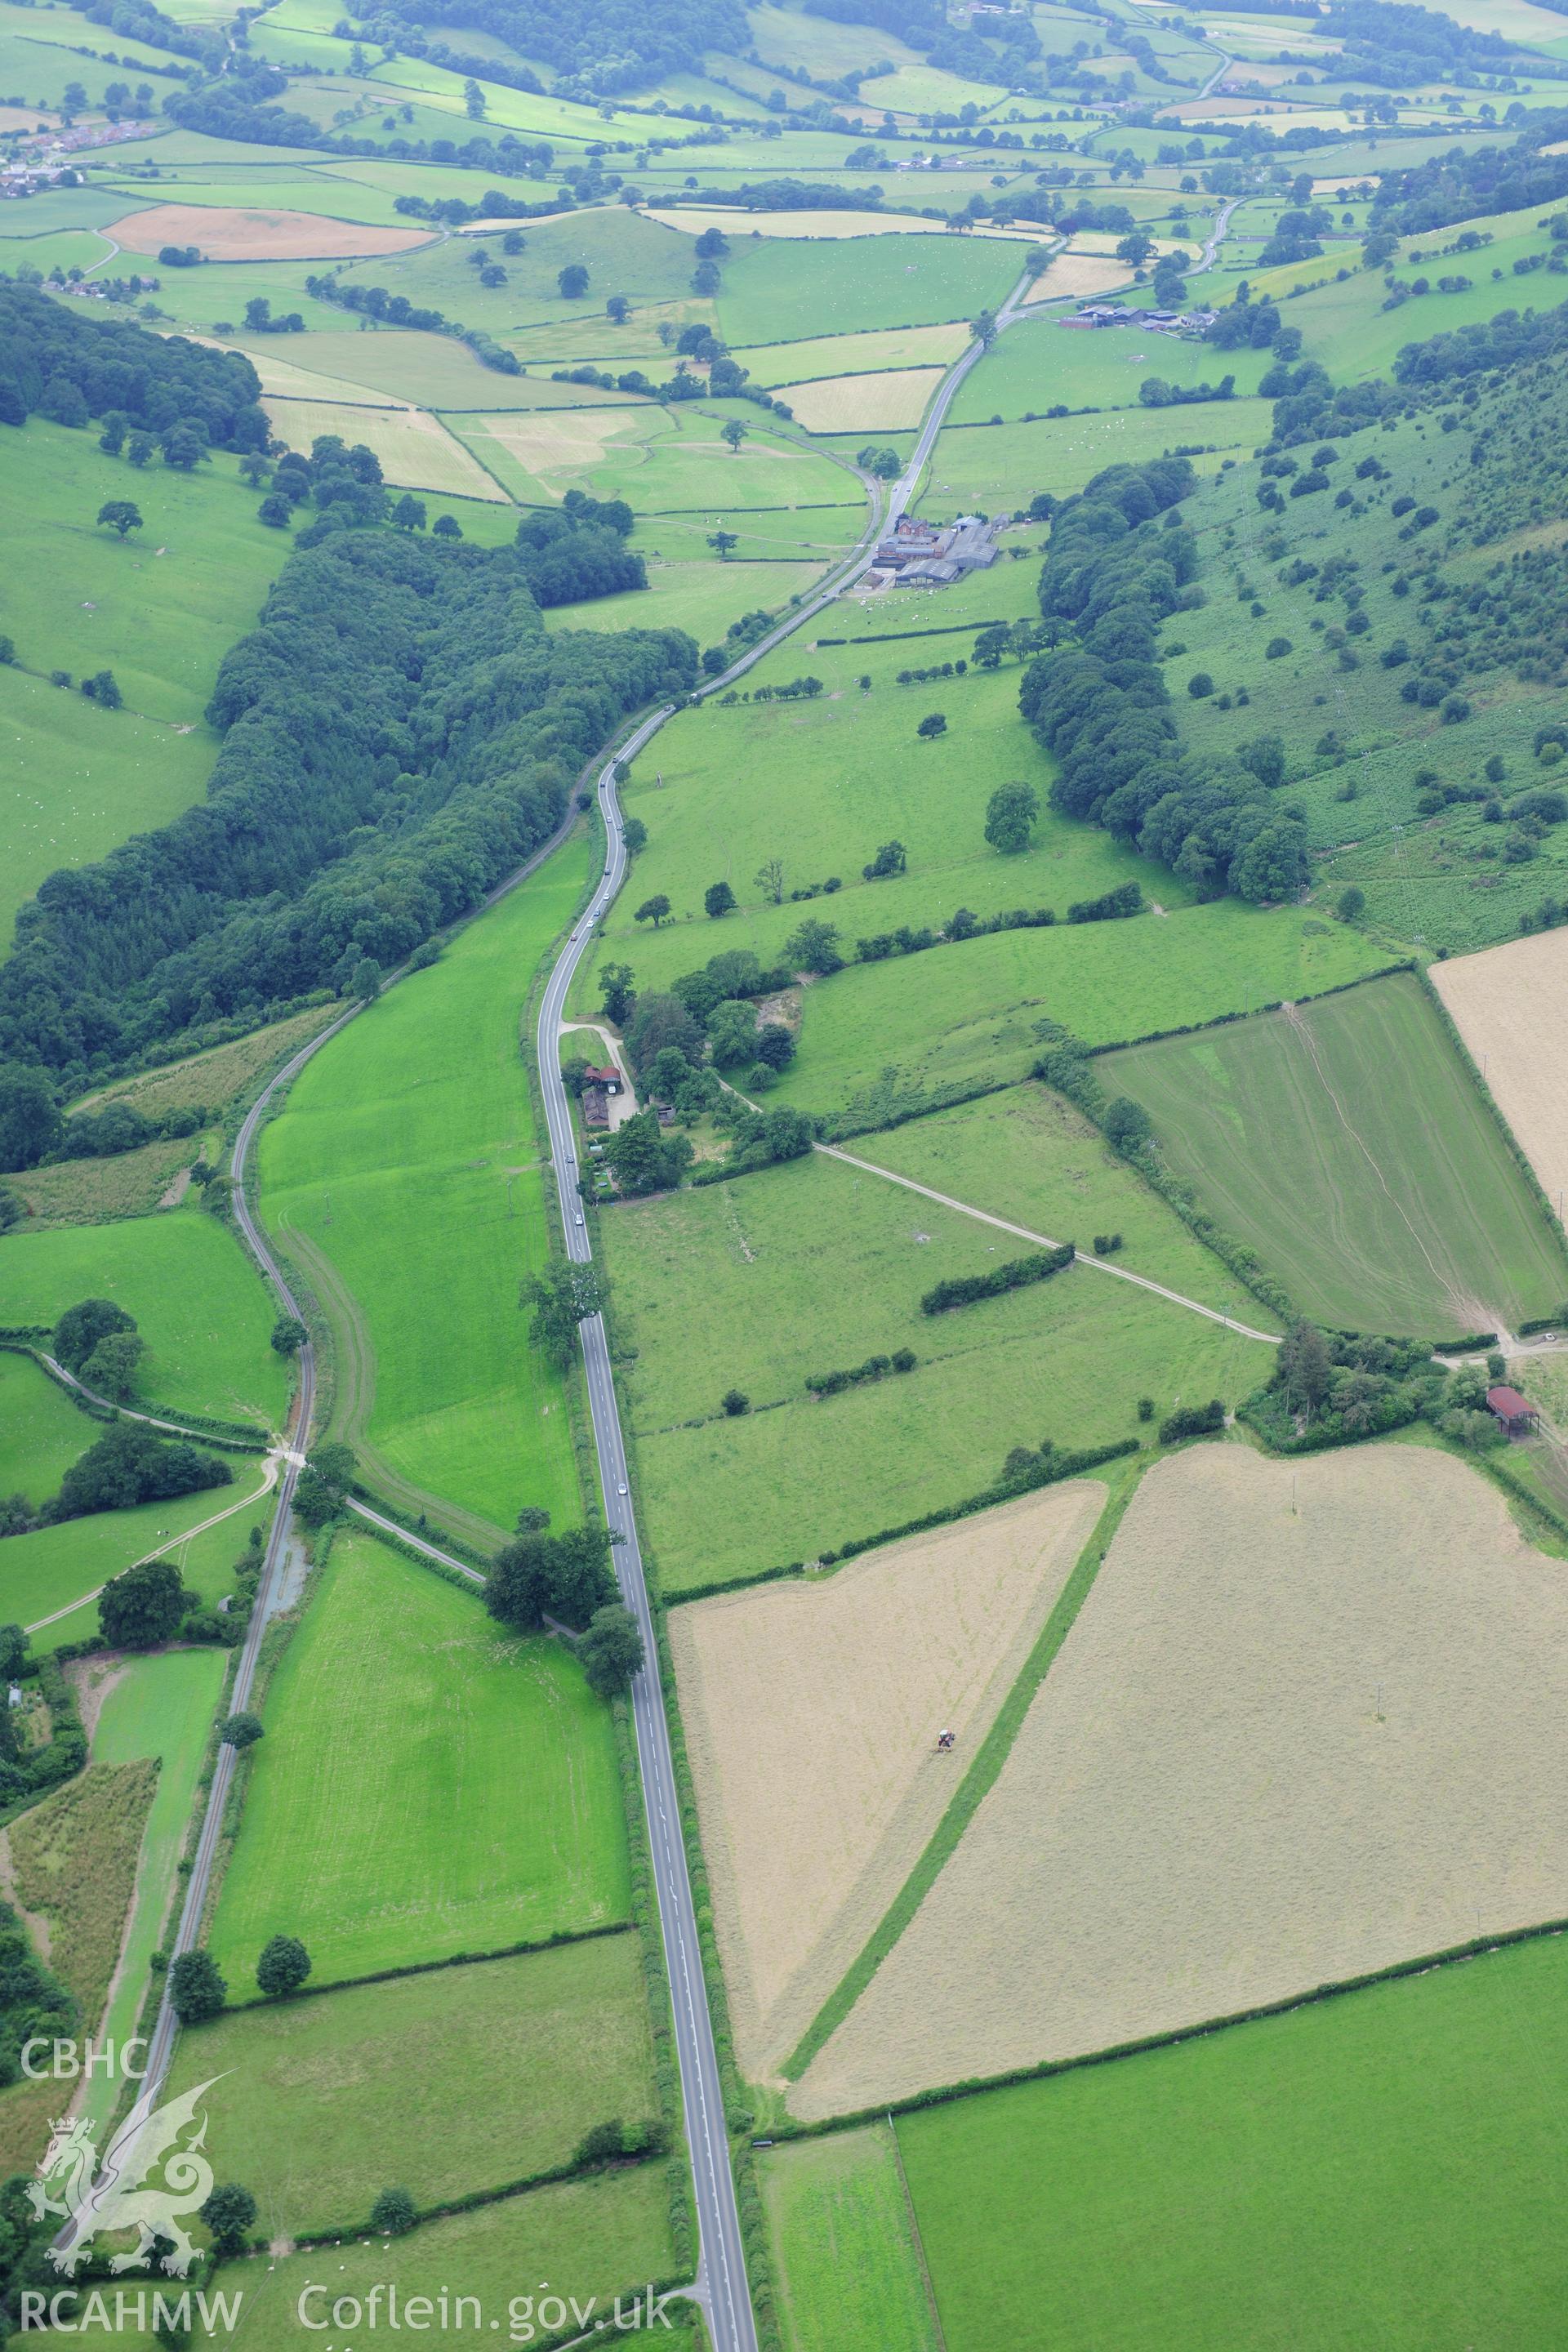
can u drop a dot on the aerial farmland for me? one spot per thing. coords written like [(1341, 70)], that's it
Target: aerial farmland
[(783, 1296)]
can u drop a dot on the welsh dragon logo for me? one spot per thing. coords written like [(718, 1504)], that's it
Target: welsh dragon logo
[(93, 2199)]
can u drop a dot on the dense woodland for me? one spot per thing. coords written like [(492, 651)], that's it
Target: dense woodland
[(400, 733), (1119, 564), (56, 363)]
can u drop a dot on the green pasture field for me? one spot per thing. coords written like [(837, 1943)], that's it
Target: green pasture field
[(623, 254), (1040, 362), (404, 1178), (52, 1570), (1028, 1155), (459, 2080), (1377, 2168), (788, 37), (161, 1706), (1003, 465), (845, 772), (848, 285), (214, 295), (701, 598), (67, 248), (520, 111), (41, 1432), (847, 2267), (456, 1788), (589, 2239), (927, 89), (809, 1267), (663, 460), (297, 188), (766, 535), (159, 608), (41, 52), (1347, 1143), (198, 1303), (901, 1029)]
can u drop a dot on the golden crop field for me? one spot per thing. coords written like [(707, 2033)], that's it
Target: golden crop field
[(812, 1710), (226, 233), (1306, 1723), (863, 404), (1509, 1004)]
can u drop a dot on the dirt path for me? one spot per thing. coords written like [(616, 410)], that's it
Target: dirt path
[(93, 1679), (1042, 1241), (159, 1551)]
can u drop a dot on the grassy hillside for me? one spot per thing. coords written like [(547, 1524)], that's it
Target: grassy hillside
[(1417, 594)]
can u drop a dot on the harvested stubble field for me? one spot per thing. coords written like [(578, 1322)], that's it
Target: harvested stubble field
[(854, 403), (1306, 1725), (477, 2077), (226, 233), (811, 1713), (1080, 275), (1510, 1005), (416, 452), (1346, 1142)]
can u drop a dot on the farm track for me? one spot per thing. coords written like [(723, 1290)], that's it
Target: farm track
[(1097, 1265)]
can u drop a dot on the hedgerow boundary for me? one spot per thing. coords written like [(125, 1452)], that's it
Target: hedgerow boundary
[(977, 1784)]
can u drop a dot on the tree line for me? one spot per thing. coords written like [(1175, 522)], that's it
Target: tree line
[(1119, 564), (399, 733), (60, 364)]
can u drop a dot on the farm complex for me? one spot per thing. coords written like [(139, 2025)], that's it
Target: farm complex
[(783, 1283)]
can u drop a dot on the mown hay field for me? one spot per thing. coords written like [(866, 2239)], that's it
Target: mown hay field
[(430, 1834), (1305, 1726), (1382, 2168), (775, 363), (811, 1713), (852, 404), (416, 452), (847, 2266), (813, 1266), (1080, 275), (1510, 1005), (660, 459), (404, 1178), (226, 233), (1346, 1143), (475, 2078)]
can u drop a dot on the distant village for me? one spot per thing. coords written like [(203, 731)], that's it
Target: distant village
[(47, 164)]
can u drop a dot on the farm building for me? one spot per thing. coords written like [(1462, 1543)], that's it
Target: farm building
[(609, 1078), (920, 554), (1516, 1413)]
